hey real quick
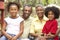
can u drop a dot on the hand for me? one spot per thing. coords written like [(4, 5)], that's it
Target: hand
[(10, 37), (42, 39), (49, 34), (14, 38)]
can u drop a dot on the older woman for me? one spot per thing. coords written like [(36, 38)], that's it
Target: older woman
[(38, 22)]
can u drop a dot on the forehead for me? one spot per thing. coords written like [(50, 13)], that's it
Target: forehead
[(39, 7), (27, 8), (13, 6), (50, 12)]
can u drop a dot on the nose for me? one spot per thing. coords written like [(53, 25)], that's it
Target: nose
[(27, 11)]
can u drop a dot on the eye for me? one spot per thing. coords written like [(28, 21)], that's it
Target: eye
[(14, 9), (11, 9), (37, 10)]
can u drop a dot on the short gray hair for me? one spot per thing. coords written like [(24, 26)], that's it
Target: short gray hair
[(39, 5), (26, 5)]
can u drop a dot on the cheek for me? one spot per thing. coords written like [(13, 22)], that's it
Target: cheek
[(37, 12), (40, 14), (24, 11), (10, 11), (14, 11), (51, 16)]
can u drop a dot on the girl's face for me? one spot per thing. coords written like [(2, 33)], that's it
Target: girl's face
[(13, 10), (51, 15)]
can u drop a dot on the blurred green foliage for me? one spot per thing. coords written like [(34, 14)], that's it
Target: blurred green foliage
[(35, 2)]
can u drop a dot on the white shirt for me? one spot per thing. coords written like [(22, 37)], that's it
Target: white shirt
[(13, 25)]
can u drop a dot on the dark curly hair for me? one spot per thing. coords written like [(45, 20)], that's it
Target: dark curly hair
[(13, 3), (54, 9)]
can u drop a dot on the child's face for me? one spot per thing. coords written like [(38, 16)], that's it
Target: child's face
[(13, 10), (50, 15)]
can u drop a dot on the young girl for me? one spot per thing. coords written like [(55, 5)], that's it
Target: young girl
[(13, 25), (51, 25)]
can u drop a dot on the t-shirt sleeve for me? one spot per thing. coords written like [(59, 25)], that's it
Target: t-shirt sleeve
[(21, 19), (54, 27), (6, 20)]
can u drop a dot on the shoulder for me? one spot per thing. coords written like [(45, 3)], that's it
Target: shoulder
[(47, 21), (7, 18), (55, 21), (20, 19), (31, 18), (35, 20), (45, 18)]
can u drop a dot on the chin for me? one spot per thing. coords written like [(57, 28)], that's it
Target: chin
[(50, 19)]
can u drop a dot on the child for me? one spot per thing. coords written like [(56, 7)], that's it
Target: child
[(13, 25), (51, 25)]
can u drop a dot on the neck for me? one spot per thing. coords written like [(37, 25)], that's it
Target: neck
[(41, 19), (13, 17), (25, 17)]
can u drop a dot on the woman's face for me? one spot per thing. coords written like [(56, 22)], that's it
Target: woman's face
[(40, 11), (51, 15), (13, 10)]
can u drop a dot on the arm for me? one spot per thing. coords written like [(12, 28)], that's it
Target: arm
[(4, 30), (32, 30), (58, 31), (33, 34)]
